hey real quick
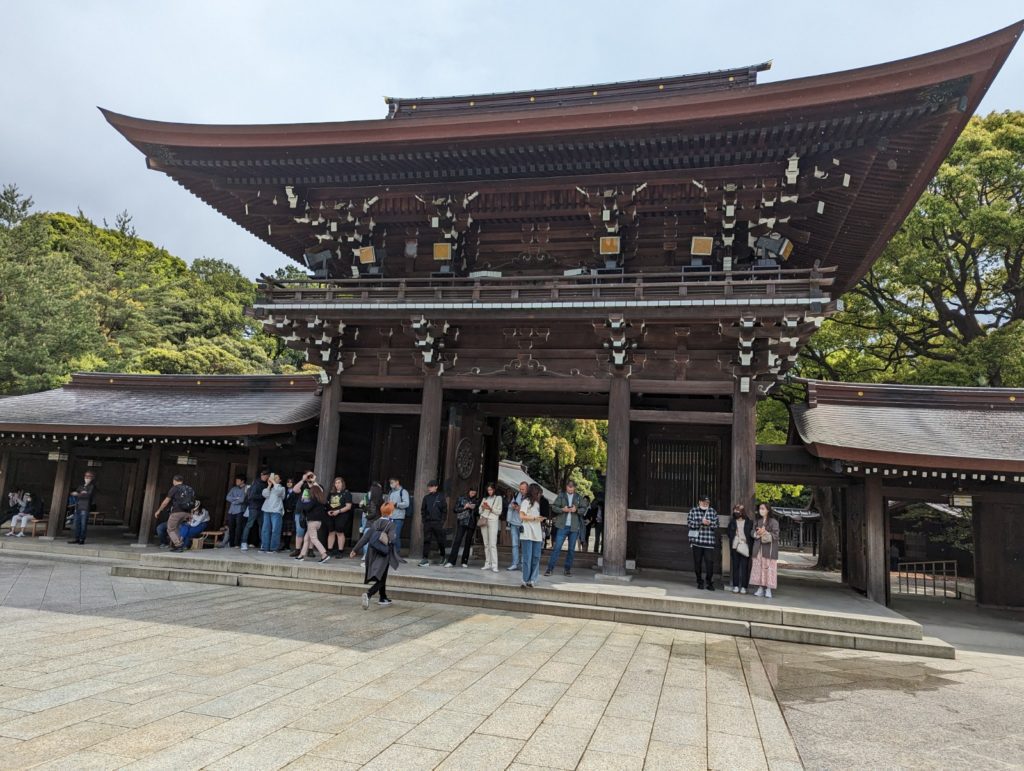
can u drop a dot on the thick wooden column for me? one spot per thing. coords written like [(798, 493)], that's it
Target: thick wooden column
[(59, 496), (150, 499), (617, 479), (326, 462), (875, 551), (5, 465), (744, 450), (998, 552), (428, 449)]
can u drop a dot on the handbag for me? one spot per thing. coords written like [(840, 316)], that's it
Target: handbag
[(766, 537), (379, 542), (481, 521), (693, 533)]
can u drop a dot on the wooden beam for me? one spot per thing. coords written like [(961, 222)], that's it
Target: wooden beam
[(617, 479), (150, 500), (427, 451), (744, 448), (376, 408), (580, 384), (682, 387), (327, 433), (689, 417), (875, 551), (656, 517), (526, 410)]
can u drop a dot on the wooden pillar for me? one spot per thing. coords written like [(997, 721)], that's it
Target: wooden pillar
[(743, 472), (998, 552), (5, 465), (875, 551), (617, 479), (252, 467), (326, 462), (427, 450), (59, 496), (150, 499)]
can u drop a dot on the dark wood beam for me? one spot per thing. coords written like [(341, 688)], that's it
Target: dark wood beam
[(379, 408), (681, 417)]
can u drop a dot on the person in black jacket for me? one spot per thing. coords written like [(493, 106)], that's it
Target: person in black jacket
[(741, 544), (433, 510), (254, 498), (84, 494), (465, 515)]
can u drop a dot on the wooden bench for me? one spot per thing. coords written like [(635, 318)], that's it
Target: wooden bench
[(199, 541), (36, 525)]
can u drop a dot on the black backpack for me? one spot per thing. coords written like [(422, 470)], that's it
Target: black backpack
[(184, 498)]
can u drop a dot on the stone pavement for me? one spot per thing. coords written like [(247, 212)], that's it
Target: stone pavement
[(153, 674)]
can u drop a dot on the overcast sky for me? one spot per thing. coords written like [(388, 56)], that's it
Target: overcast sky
[(277, 62)]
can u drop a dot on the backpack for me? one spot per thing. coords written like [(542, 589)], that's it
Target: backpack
[(184, 498), (377, 544)]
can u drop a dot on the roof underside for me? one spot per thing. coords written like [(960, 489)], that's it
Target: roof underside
[(166, 405), (833, 162), (976, 429)]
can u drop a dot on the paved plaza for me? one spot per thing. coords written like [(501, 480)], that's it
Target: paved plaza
[(107, 672)]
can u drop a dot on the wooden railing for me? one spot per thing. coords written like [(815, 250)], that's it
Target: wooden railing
[(754, 283), (929, 579)]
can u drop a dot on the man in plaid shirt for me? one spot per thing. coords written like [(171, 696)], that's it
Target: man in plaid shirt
[(703, 524)]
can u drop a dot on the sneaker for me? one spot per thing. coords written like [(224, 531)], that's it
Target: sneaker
[(759, 592), (735, 590), (743, 590), (711, 587), (486, 567), (73, 541), (547, 572), (178, 549), (264, 551), (700, 584), (512, 567), (300, 558), (19, 535), (10, 532), (768, 594), (295, 553), (494, 570), (245, 547), (365, 600), (531, 584), (464, 565), (448, 565), (424, 563), (383, 603), (568, 573), (362, 563), (522, 585), (324, 558), (165, 546)]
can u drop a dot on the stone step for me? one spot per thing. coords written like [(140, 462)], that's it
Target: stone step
[(531, 602)]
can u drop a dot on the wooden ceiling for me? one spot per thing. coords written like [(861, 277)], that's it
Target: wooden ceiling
[(527, 185)]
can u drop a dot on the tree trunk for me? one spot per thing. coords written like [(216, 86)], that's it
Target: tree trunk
[(826, 499)]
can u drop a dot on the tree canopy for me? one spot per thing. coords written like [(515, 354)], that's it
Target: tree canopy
[(83, 297), (556, 450)]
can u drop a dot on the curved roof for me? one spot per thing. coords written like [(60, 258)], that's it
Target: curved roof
[(166, 405), (866, 142), (935, 427)]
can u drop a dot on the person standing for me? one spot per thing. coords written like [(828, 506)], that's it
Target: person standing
[(236, 508), (339, 517), (703, 525), (596, 517), (765, 563), (179, 500), (515, 523), (291, 500), (381, 557), (313, 506), (84, 494), (570, 507), (254, 505), (741, 542), (399, 496), (465, 520), (532, 538), (272, 514), (490, 510), (371, 511), (433, 510)]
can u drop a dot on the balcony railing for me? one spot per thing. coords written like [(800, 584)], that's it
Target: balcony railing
[(603, 290), (928, 579)]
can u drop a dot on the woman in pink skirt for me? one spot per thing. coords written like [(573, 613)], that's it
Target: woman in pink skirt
[(765, 557)]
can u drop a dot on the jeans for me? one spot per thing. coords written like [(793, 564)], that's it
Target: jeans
[(514, 532), (270, 530), (560, 535), (740, 570), (299, 529), (236, 523), (462, 532), (81, 522), (531, 560), (707, 557), (252, 521), (187, 533), (398, 533), (161, 534)]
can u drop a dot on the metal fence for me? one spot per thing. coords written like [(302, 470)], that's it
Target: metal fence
[(928, 579)]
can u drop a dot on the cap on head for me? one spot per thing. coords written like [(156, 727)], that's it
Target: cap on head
[(432, 483), (704, 498)]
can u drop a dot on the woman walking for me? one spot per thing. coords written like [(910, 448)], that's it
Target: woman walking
[(313, 506), (381, 557), (764, 566), (273, 515), (371, 512), (741, 543), (532, 538), (490, 516)]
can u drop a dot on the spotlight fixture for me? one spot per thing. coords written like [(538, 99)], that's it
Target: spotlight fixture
[(777, 247)]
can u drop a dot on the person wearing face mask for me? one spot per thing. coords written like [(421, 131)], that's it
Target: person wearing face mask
[(703, 524), (765, 557)]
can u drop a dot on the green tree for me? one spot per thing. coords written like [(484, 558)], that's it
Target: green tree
[(556, 450)]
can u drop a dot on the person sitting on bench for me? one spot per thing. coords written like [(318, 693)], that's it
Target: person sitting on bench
[(196, 525), (27, 512)]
